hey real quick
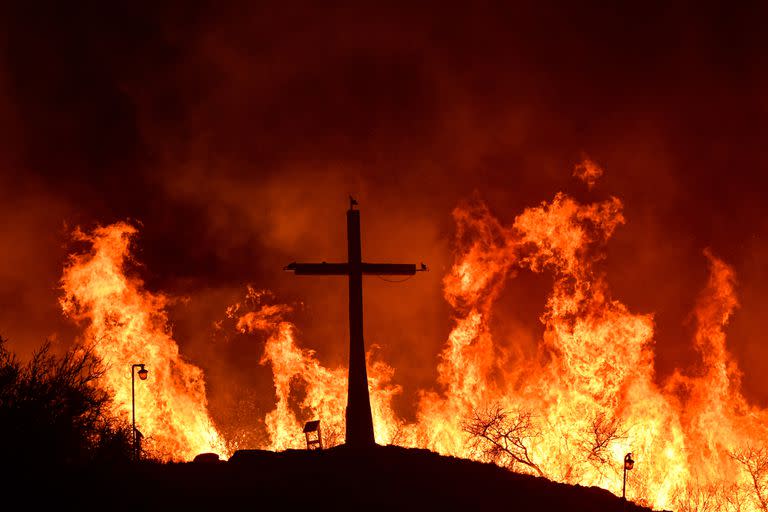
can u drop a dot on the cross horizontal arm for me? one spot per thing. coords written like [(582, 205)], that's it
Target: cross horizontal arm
[(389, 269), (319, 269), (343, 269)]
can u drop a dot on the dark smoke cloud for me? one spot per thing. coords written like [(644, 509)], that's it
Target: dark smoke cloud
[(234, 134)]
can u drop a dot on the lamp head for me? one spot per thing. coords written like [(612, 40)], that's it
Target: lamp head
[(629, 463), (143, 372)]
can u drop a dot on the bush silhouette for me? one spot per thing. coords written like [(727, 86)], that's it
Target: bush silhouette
[(51, 410)]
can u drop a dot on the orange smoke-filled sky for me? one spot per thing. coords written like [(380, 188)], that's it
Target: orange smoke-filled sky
[(234, 135)]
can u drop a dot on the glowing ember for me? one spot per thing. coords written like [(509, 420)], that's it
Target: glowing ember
[(588, 171), (127, 325)]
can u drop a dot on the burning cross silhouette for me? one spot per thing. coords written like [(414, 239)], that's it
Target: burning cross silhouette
[(359, 432)]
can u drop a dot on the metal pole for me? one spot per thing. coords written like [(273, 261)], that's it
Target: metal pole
[(624, 488)]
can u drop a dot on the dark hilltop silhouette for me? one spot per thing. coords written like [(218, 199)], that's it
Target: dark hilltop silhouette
[(380, 477)]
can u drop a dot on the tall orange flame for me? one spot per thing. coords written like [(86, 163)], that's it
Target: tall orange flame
[(325, 389), (128, 325)]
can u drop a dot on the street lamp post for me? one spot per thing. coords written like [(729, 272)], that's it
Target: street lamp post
[(629, 463), (143, 372)]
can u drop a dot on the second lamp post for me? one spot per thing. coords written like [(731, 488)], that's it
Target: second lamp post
[(143, 372)]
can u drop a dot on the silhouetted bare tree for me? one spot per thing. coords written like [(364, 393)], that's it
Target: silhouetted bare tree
[(603, 432), (503, 437), (754, 460), (717, 496), (51, 409), (698, 498)]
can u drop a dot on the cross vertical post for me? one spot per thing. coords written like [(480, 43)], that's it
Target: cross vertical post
[(359, 418)]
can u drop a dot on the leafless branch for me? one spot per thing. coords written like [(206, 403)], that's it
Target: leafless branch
[(602, 433), (503, 437), (754, 460)]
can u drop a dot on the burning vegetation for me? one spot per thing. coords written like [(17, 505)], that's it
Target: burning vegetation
[(570, 413), (126, 324)]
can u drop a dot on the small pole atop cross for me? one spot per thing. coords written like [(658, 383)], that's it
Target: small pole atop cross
[(359, 420)]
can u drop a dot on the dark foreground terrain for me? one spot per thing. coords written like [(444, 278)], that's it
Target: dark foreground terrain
[(388, 478)]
